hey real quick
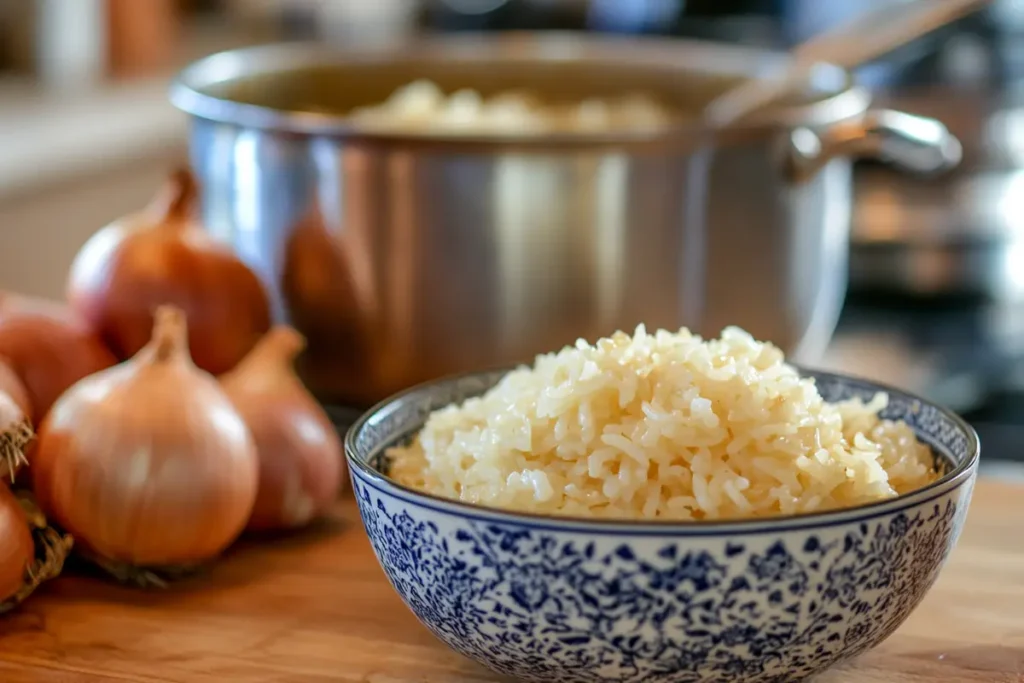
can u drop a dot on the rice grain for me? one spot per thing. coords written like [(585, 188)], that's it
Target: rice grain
[(663, 426)]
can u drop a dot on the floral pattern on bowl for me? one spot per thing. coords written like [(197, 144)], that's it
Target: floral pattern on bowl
[(566, 600)]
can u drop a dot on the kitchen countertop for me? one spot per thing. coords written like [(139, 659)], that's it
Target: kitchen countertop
[(51, 135), (47, 138), (316, 607), (964, 353)]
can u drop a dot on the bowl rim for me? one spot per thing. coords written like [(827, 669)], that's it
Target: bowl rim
[(951, 480)]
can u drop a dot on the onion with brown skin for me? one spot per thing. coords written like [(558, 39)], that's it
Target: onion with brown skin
[(15, 435), (147, 464), (17, 549), (301, 462), (30, 552), (12, 386), (48, 348), (23, 529), (163, 256)]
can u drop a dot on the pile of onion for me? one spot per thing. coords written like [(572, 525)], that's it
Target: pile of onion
[(301, 462), (147, 464), (47, 348), (162, 256)]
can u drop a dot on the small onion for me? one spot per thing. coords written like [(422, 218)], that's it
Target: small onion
[(13, 387), (48, 347), (30, 551), (147, 464), (163, 256), (17, 548), (301, 463)]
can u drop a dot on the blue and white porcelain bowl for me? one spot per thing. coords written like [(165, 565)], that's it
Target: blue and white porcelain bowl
[(567, 600)]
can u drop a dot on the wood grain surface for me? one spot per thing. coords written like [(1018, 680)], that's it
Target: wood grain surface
[(317, 608)]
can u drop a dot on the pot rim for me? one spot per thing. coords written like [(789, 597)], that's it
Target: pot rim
[(956, 476), (189, 91)]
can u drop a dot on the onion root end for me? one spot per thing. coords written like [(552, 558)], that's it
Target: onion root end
[(141, 577), (12, 448), (52, 549)]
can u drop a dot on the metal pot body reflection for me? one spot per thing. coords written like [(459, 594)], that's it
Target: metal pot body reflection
[(403, 258)]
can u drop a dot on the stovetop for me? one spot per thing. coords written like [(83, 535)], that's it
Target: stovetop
[(965, 353), (952, 331)]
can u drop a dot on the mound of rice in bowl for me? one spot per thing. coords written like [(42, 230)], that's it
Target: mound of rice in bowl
[(663, 426)]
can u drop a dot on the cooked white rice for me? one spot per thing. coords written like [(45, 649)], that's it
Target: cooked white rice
[(422, 105), (663, 426)]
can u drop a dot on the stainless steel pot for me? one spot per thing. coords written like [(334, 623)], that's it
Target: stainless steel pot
[(405, 256)]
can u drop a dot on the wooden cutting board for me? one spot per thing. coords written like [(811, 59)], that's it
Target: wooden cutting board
[(317, 608)]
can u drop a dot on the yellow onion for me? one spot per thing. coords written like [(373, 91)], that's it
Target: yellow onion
[(17, 549), (162, 255), (30, 552), (301, 463), (48, 347), (147, 464), (13, 387)]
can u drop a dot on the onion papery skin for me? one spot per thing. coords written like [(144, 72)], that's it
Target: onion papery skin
[(17, 547), (48, 347), (162, 255), (12, 386), (15, 436), (147, 463), (301, 461)]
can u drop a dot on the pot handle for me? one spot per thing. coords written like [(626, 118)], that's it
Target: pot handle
[(913, 143)]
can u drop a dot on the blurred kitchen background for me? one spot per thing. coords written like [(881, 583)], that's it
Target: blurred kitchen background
[(936, 301)]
